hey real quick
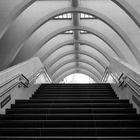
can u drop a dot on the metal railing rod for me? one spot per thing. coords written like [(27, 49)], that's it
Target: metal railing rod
[(8, 89), (108, 71), (104, 75), (124, 79), (15, 84), (36, 75), (10, 80), (114, 77), (25, 84), (47, 74), (132, 88), (133, 80)]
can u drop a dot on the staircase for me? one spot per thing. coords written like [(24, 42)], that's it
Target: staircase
[(71, 112)]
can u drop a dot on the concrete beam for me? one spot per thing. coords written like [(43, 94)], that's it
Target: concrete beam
[(76, 18)]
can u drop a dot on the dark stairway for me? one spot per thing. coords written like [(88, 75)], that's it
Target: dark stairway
[(71, 112)]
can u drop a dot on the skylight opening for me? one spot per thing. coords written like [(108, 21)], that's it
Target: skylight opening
[(68, 32), (68, 16), (84, 32), (86, 16), (77, 78), (71, 32), (64, 17)]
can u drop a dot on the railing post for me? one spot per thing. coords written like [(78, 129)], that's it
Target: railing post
[(104, 75)]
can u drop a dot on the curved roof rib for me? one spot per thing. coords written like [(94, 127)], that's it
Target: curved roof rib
[(94, 58), (98, 34), (79, 61), (129, 10), (109, 22), (63, 44), (121, 3), (80, 52), (62, 64), (15, 13)]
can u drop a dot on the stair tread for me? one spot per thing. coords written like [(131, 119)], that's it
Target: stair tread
[(74, 112), (70, 138), (70, 128), (77, 108), (72, 120)]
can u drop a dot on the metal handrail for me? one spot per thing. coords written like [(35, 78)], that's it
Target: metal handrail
[(104, 75), (114, 77), (20, 78), (125, 82), (47, 74), (123, 77), (132, 88), (107, 70), (10, 80), (10, 88), (132, 79), (36, 75), (122, 80)]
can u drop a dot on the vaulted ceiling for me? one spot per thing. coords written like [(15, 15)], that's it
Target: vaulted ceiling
[(70, 36)]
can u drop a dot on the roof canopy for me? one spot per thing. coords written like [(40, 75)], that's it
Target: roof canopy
[(70, 36)]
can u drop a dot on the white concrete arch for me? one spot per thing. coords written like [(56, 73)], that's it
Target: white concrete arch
[(99, 64), (123, 4), (53, 70), (130, 44), (14, 13), (110, 23), (56, 47), (92, 45), (57, 32), (95, 62), (102, 62), (93, 31), (25, 4), (41, 22)]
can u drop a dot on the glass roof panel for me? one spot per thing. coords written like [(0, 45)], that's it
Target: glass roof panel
[(68, 32), (67, 16), (86, 16)]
